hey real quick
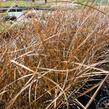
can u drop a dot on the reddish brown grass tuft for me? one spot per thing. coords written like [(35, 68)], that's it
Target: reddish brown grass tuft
[(42, 61)]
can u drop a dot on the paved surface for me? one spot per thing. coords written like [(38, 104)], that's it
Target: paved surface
[(21, 9)]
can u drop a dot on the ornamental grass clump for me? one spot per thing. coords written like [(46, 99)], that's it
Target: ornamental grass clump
[(44, 63)]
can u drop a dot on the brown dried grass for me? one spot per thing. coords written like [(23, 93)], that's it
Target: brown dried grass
[(41, 62)]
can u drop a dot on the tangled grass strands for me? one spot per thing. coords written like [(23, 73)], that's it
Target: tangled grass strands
[(46, 61), (14, 99)]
